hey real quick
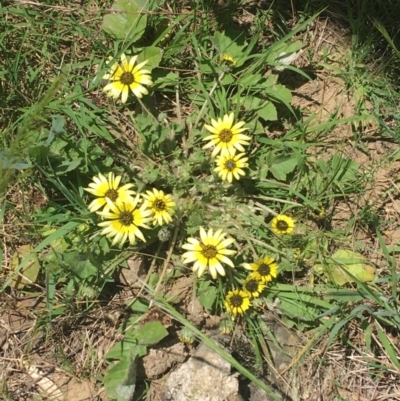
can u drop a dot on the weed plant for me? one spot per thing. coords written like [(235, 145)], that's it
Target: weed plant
[(152, 131)]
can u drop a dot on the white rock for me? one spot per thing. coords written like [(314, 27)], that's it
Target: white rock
[(204, 377)]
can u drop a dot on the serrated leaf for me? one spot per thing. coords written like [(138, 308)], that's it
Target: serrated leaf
[(151, 333), (130, 23), (30, 270)]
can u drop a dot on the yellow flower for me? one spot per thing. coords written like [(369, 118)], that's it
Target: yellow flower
[(161, 206), (187, 336), (105, 189), (229, 166), (296, 253), (226, 326), (321, 213), (225, 58), (209, 252), (226, 137), (253, 287), (263, 270), (124, 220), (282, 224), (124, 76), (237, 302)]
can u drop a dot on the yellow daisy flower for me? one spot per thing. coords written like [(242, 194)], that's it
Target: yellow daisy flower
[(225, 58), (253, 287), (105, 189), (263, 270), (209, 252), (161, 206), (229, 166), (124, 220), (237, 302), (226, 137), (124, 76), (282, 224)]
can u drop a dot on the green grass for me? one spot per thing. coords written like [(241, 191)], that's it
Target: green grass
[(58, 130)]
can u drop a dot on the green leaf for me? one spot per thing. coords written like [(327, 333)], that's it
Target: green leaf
[(228, 79), (68, 165), (128, 23), (163, 79), (57, 127), (10, 163), (80, 264), (250, 80), (301, 308), (281, 169), (344, 261), (207, 294), (280, 93), (153, 57), (225, 45), (356, 264), (151, 333), (121, 349), (391, 352), (30, 271), (57, 124), (278, 48), (139, 306), (120, 380), (268, 112)]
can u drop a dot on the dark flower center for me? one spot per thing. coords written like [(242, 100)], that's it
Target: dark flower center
[(236, 301), (228, 61), (252, 286), (282, 225), (230, 165), (126, 218), (159, 205), (112, 194), (127, 78), (264, 270), (225, 135), (209, 251)]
